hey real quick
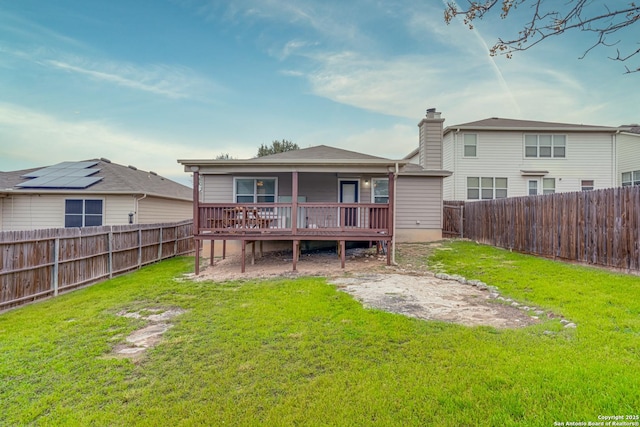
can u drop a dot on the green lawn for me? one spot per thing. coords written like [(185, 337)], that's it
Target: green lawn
[(298, 352)]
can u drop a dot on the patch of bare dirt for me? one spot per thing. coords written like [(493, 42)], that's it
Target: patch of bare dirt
[(407, 288), (149, 336)]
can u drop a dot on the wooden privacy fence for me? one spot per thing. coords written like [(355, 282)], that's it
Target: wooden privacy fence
[(41, 263), (453, 219), (599, 227)]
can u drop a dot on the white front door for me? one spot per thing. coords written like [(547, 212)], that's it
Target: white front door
[(349, 194)]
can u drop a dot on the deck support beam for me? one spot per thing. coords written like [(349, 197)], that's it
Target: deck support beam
[(212, 246), (244, 253), (296, 246), (197, 257), (343, 251)]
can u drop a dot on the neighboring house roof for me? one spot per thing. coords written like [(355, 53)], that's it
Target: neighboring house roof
[(321, 158), (497, 123), (115, 179), (502, 124), (633, 128)]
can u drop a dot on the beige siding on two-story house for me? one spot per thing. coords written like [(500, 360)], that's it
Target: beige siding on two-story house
[(500, 154), (628, 155)]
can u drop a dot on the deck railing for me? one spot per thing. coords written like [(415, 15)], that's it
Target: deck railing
[(277, 217)]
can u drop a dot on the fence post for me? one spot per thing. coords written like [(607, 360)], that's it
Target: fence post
[(56, 258), (461, 221), (110, 259), (139, 247), (175, 242), (160, 246)]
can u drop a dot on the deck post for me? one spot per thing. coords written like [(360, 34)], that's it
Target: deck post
[(244, 252), (253, 252), (391, 244), (212, 246), (294, 203), (342, 253), (224, 249), (196, 213), (197, 256), (296, 245)]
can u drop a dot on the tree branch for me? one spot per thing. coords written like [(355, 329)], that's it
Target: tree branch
[(546, 24)]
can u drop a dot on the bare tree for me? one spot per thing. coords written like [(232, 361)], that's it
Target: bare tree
[(553, 18)]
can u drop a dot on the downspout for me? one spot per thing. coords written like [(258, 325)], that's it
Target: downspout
[(614, 160), (135, 207), (395, 198), (455, 165)]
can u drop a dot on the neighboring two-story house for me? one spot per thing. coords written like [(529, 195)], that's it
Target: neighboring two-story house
[(496, 157)]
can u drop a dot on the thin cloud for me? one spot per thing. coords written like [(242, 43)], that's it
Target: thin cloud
[(172, 82), (33, 32), (41, 139)]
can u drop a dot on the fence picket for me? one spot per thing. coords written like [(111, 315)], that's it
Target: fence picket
[(41, 263), (600, 227)]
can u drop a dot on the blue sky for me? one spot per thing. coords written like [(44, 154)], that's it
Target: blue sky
[(147, 82)]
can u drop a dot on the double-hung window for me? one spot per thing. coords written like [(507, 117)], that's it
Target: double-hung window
[(470, 145), (255, 190), (545, 146), (380, 192), (486, 188), (630, 178), (548, 185), (586, 185), (82, 213)]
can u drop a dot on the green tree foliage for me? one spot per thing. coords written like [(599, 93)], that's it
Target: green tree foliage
[(224, 156), (276, 147), (600, 19)]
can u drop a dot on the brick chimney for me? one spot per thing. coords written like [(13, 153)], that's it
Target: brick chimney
[(430, 147)]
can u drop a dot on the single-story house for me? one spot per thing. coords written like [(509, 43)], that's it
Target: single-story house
[(89, 193), (320, 193)]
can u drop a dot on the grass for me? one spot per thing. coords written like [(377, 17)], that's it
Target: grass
[(298, 352)]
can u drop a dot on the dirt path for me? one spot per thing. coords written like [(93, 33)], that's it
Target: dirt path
[(408, 288)]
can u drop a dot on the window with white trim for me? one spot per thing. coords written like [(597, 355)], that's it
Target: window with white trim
[(380, 193), (545, 146), (470, 144), (486, 188), (533, 187), (630, 178), (548, 185), (82, 213), (586, 185), (255, 190)]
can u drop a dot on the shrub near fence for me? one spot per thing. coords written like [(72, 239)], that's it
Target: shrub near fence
[(597, 227), (40, 263)]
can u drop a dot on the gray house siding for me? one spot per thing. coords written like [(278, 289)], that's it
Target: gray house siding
[(419, 204)]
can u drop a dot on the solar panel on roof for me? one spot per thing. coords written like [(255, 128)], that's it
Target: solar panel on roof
[(61, 182), (63, 175)]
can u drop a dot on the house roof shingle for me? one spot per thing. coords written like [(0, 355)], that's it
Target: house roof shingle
[(117, 179), (319, 152), (499, 123)]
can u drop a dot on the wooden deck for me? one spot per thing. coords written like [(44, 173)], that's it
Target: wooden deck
[(251, 223)]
